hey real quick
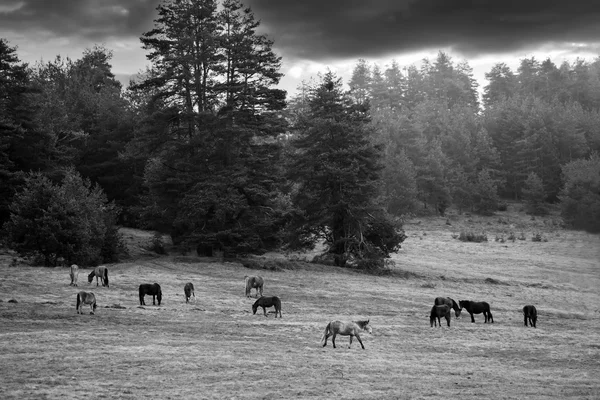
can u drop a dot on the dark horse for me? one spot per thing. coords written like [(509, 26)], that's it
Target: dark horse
[(351, 329), (188, 289), (439, 311), (530, 313), (477, 307), (150, 289), (85, 298), (265, 302), (451, 303), (99, 272)]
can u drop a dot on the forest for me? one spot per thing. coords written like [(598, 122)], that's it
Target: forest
[(204, 147)]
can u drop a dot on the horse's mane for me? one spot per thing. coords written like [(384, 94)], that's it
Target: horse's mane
[(362, 324)]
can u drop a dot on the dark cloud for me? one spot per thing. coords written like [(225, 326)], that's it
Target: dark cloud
[(93, 19), (333, 29)]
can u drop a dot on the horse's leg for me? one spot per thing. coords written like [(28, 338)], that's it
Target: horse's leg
[(525, 319), (448, 319), (360, 341), (264, 310), (490, 317), (350, 345), (472, 318), (333, 339)]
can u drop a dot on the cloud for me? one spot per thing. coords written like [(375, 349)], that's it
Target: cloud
[(96, 20), (341, 29)]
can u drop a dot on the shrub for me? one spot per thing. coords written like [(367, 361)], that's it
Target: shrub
[(472, 237), (157, 244), (580, 196), (535, 195), (72, 220), (502, 206)]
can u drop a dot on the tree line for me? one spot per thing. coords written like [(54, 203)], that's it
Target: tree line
[(205, 147)]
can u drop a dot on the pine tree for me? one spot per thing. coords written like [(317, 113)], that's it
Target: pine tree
[(337, 171), (211, 127)]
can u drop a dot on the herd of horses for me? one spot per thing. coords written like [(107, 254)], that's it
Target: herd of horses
[(441, 309)]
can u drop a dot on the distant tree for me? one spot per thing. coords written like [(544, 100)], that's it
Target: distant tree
[(72, 220), (337, 171), (502, 84), (360, 82), (23, 145), (580, 195), (534, 195), (485, 198)]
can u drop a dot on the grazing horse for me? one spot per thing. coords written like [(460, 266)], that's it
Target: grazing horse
[(475, 307), (530, 313), (85, 298), (74, 274), (437, 312), (451, 303), (266, 302), (351, 329), (99, 272), (150, 289), (188, 289), (256, 282)]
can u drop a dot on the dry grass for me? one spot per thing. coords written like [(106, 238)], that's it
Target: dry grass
[(216, 348)]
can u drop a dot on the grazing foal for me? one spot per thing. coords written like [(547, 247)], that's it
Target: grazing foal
[(266, 302)]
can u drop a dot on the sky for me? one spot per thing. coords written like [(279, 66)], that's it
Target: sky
[(313, 36)]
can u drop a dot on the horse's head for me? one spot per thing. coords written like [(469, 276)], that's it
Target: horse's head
[(91, 277), (366, 327)]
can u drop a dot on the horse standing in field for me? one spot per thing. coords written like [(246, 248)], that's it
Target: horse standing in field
[(437, 312), (351, 329), (450, 302), (188, 289), (152, 289), (99, 272), (74, 274), (266, 302), (475, 307), (256, 282), (85, 298), (530, 313)]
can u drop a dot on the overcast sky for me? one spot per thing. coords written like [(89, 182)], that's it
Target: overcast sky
[(313, 35)]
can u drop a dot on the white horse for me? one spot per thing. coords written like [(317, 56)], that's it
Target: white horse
[(74, 274)]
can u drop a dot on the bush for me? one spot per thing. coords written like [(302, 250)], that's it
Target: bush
[(535, 195), (580, 196), (72, 220), (472, 237)]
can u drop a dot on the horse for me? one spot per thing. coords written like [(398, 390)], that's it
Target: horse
[(85, 298), (74, 274), (99, 272), (188, 289), (150, 289), (256, 282), (439, 311), (451, 303), (530, 313), (474, 307), (351, 329), (266, 302)]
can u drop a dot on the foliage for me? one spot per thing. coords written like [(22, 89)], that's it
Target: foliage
[(470, 236), (580, 195), (72, 220), (534, 195), (335, 165), (209, 123)]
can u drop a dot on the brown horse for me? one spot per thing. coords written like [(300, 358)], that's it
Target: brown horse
[(437, 312), (256, 282), (99, 272), (351, 329), (85, 298), (477, 307), (530, 313), (451, 303), (188, 289), (266, 302)]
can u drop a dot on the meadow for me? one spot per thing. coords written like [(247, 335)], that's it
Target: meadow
[(215, 348)]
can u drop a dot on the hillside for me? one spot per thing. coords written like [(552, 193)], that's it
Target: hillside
[(216, 348)]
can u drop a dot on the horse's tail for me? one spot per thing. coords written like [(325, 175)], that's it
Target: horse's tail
[(327, 329), (106, 276), (247, 281), (78, 301)]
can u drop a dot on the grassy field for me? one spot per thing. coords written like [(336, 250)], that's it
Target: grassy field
[(215, 348)]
